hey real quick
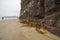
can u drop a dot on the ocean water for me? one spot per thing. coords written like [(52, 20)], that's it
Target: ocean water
[(0, 18), (9, 17)]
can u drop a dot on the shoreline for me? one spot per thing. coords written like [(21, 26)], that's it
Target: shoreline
[(7, 18)]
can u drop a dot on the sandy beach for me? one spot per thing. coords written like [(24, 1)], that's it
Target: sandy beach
[(11, 29)]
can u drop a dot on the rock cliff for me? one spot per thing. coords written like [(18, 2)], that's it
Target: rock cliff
[(42, 12)]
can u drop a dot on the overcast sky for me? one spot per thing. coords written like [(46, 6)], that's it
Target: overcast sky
[(9, 7)]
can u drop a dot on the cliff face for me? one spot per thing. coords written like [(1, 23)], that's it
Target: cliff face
[(46, 10), (31, 8), (35, 8)]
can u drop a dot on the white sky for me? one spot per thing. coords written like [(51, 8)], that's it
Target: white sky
[(9, 7)]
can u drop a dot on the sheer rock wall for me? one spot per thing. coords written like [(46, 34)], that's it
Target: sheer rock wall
[(46, 10)]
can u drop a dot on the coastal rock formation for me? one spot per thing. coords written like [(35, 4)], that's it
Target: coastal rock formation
[(43, 12)]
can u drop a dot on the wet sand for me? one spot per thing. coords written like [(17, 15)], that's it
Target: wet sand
[(11, 29)]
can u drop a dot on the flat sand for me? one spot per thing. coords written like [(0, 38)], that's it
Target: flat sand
[(11, 29)]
